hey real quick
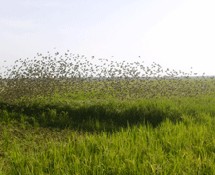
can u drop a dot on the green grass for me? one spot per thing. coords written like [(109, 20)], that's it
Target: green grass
[(60, 135), (185, 147)]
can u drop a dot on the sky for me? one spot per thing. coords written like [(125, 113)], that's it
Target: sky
[(176, 34)]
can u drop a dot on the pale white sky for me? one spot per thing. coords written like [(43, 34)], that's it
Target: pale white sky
[(175, 33)]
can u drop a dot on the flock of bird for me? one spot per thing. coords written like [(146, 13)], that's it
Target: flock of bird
[(45, 75)]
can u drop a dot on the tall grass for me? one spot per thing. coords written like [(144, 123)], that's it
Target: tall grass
[(172, 148)]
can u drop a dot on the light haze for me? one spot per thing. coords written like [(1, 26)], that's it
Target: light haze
[(176, 34)]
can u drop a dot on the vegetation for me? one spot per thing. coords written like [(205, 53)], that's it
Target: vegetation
[(64, 114)]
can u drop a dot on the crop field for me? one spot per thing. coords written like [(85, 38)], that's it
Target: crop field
[(66, 114)]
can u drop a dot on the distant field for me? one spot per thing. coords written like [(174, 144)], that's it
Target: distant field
[(59, 117)]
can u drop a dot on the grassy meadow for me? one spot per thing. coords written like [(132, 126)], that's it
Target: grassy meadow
[(62, 114)]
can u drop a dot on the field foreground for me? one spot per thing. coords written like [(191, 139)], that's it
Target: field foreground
[(172, 148), (160, 136)]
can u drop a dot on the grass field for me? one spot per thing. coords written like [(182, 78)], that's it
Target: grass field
[(51, 123)]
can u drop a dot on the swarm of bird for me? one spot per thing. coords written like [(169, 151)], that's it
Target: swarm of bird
[(49, 74)]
